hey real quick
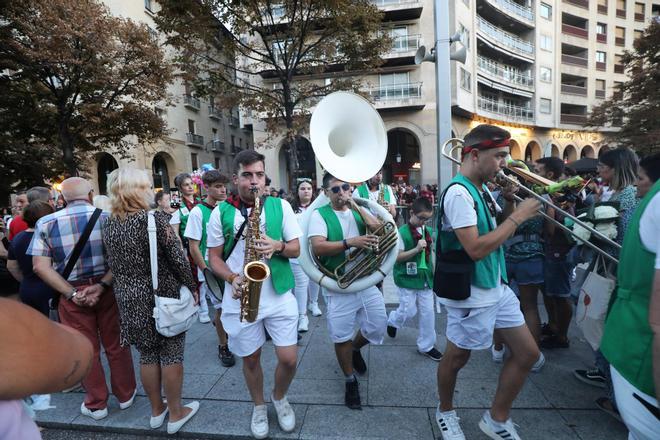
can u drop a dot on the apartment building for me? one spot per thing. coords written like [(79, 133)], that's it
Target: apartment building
[(200, 131), (535, 68)]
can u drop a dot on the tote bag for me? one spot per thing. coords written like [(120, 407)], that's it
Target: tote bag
[(593, 302)]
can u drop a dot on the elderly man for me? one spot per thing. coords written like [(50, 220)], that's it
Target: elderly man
[(86, 301)]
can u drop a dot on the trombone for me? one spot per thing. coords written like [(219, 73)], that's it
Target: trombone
[(501, 174)]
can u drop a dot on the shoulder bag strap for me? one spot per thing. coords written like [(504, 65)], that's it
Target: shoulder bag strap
[(82, 241), (153, 249)]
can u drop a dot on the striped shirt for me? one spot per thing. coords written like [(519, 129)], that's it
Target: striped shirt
[(56, 235)]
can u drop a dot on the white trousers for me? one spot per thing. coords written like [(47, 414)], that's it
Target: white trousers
[(410, 302), (641, 423), (304, 288)]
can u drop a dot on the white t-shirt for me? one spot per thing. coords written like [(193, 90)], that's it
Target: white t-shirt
[(299, 216), (176, 215), (373, 195), (459, 213), (349, 227), (649, 228), (194, 231), (269, 298)]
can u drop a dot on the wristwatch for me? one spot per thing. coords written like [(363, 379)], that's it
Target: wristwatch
[(105, 285), (281, 250), (73, 294)]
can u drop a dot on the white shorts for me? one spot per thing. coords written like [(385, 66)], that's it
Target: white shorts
[(247, 337), (472, 328), (365, 308), (640, 421), (205, 292)]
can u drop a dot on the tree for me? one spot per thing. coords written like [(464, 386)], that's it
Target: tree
[(635, 106), (283, 41), (76, 80)]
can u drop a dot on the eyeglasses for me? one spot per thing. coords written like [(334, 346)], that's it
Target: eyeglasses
[(344, 187), (305, 179)]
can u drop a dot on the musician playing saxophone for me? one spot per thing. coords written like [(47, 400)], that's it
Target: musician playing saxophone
[(374, 189), (278, 310), (334, 230)]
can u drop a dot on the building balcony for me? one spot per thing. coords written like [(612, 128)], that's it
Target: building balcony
[(573, 119), (191, 102), (505, 111), (574, 60), (601, 38), (233, 121), (396, 10), (619, 68), (404, 43), (569, 89), (580, 3), (601, 66), (602, 9), (516, 10), (194, 140), (505, 39), (504, 73), (600, 94), (214, 112), (574, 31), (639, 17), (397, 95), (218, 146), (620, 41), (621, 13)]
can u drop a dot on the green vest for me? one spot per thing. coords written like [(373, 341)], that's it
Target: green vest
[(363, 190), (628, 340), (280, 269), (335, 233), (486, 269), (206, 215), (424, 277), (183, 220)]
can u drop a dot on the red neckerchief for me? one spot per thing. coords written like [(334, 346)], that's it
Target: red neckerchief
[(190, 205), (235, 201), (417, 236)]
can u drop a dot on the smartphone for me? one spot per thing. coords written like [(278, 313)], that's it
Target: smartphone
[(175, 199)]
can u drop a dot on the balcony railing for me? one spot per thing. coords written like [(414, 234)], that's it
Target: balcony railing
[(214, 112), (602, 9), (511, 41), (194, 139), (581, 3), (621, 13), (601, 38), (620, 41), (405, 43), (233, 121), (573, 119), (191, 102), (602, 66), (396, 91), (511, 112), (218, 145), (619, 68), (573, 60), (600, 94), (514, 8), (574, 30), (506, 74), (573, 90), (639, 16), (384, 3)]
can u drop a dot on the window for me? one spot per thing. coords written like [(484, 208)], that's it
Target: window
[(399, 36), (545, 105), (621, 5), (394, 79), (600, 84), (640, 9), (233, 142), (465, 35), (617, 59), (545, 74), (620, 32), (546, 42), (466, 80), (215, 133), (147, 5), (600, 56), (601, 28), (546, 11), (638, 34), (217, 163), (191, 126), (193, 160)]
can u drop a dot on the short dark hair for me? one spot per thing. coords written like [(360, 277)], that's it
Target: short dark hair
[(159, 196), (327, 178), (553, 164), (485, 132), (35, 210), (180, 178), (214, 176), (651, 165), (38, 193), (421, 204), (247, 157)]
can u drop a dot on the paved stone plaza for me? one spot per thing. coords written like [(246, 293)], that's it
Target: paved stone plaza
[(398, 394)]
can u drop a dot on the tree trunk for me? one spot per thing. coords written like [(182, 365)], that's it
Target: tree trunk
[(292, 157), (66, 144)]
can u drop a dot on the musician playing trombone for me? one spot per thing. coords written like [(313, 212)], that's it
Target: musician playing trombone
[(334, 230), (468, 227), (374, 189)]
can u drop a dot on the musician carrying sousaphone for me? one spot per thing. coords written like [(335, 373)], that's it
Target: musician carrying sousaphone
[(381, 193), (334, 230)]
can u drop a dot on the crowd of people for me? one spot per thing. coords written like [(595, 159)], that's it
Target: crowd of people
[(84, 261)]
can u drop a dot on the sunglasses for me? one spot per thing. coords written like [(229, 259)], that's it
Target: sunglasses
[(344, 187)]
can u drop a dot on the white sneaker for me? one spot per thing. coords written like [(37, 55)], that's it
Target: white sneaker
[(303, 323), (259, 425), (497, 430), (129, 402), (204, 319), (538, 364), (157, 421), (498, 355), (314, 308), (95, 414), (173, 427), (448, 423), (285, 415)]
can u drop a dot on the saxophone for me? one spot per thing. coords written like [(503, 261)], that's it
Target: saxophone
[(381, 195), (255, 271)]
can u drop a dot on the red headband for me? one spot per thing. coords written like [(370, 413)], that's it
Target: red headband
[(487, 144)]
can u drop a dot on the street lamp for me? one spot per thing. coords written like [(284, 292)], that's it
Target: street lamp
[(441, 56)]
